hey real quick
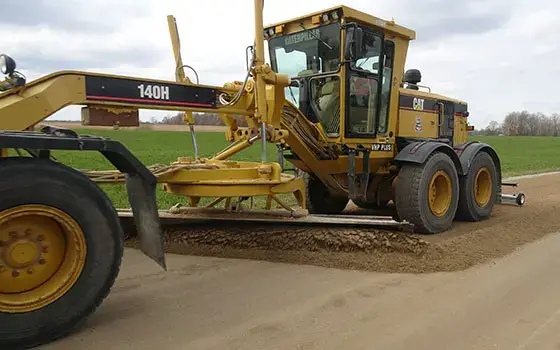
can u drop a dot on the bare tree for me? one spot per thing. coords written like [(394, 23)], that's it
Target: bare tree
[(555, 124), (530, 124), (493, 129), (510, 125)]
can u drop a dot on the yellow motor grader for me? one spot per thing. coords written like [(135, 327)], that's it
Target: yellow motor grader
[(336, 100)]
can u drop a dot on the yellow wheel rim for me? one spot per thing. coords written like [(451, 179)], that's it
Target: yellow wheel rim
[(42, 254), (440, 193), (482, 187)]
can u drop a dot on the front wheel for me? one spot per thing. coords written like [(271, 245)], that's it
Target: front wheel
[(320, 200), (427, 194), (60, 250)]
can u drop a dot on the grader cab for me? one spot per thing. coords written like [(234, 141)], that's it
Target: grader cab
[(390, 140), (335, 99)]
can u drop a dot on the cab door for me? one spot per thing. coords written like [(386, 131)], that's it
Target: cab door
[(446, 121), (363, 93)]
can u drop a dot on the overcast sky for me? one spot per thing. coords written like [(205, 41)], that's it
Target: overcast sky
[(498, 55)]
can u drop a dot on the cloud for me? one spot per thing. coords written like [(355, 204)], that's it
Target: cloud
[(505, 69), (498, 56), (440, 19), (75, 16)]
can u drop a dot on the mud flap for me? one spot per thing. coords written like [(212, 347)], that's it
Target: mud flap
[(142, 198)]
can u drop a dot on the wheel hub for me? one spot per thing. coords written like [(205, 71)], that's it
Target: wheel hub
[(25, 256), (482, 187), (439, 193), (42, 252), (21, 254)]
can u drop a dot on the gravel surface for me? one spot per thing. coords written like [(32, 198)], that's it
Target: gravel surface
[(467, 244)]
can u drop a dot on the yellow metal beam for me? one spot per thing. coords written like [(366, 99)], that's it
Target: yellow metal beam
[(24, 107), (234, 190), (254, 174), (260, 109), (175, 43), (235, 148)]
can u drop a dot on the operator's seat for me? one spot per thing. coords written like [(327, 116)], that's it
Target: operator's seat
[(329, 107), (327, 100)]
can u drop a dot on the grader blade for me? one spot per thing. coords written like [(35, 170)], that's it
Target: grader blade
[(184, 215)]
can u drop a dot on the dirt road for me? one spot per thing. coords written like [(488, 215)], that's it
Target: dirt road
[(214, 303), (490, 285)]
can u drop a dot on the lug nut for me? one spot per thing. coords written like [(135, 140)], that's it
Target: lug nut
[(30, 271), (45, 249), (42, 262), (15, 273), (40, 238), (28, 232), (13, 234)]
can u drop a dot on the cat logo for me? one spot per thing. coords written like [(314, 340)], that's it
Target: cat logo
[(418, 104)]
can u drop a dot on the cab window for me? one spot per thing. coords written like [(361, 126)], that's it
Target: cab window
[(325, 101), (363, 88), (362, 106), (371, 51)]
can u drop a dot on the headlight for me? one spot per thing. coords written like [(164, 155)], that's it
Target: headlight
[(7, 64)]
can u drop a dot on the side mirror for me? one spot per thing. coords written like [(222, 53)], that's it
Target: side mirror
[(354, 39), (7, 64)]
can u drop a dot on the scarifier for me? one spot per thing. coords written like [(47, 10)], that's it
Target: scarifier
[(336, 101)]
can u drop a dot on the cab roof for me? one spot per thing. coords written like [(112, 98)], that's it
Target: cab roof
[(352, 15)]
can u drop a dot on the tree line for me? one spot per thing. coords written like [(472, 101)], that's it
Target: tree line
[(523, 124), (199, 119)]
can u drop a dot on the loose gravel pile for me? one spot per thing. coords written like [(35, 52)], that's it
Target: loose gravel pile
[(250, 236)]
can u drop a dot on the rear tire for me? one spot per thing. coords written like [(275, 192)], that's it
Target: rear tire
[(320, 200), (427, 194), (479, 189), (26, 182)]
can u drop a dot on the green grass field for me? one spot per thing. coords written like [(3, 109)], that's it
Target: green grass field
[(520, 155), (525, 154)]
